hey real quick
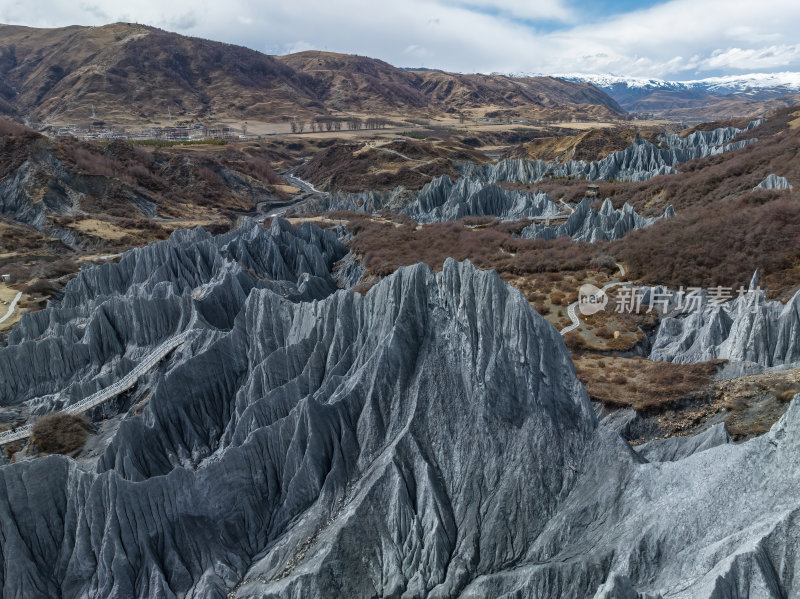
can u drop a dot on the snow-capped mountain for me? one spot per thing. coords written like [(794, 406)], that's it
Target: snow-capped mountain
[(731, 96), (785, 82)]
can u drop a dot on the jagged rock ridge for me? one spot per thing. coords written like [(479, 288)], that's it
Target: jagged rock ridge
[(111, 315), (444, 200), (587, 224), (429, 439), (640, 161), (774, 181), (475, 194), (749, 328)]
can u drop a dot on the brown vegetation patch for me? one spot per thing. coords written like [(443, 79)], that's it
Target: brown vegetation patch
[(101, 229), (755, 403), (721, 244), (642, 384), (59, 433), (9, 449)]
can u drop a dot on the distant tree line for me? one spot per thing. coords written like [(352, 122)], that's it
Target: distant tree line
[(330, 123)]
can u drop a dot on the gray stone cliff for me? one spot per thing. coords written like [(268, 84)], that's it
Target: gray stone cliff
[(587, 224), (429, 439)]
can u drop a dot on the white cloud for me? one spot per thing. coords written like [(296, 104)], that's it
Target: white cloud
[(771, 57), (676, 39), (547, 10)]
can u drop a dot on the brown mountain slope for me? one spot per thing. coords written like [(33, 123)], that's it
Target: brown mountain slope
[(725, 107), (355, 167), (134, 73), (543, 93), (347, 82)]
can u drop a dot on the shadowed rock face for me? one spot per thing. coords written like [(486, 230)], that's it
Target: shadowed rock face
[(429, 439), (586, 224)]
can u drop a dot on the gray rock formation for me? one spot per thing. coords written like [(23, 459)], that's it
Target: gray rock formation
[(773, 181), (427, 440), (474, 194), (628, 423), (443, 200), (113, 314), (640, 161), (749, 329), (587, 224), (678, 448), (349, 271), (18, 187), (709, 143)]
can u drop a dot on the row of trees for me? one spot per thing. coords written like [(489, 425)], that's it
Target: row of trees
[(327, 123)]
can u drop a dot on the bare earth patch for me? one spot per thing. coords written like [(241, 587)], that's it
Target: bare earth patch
[(102, 229)]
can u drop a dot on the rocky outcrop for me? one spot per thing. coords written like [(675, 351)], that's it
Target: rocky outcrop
[(587, 224), (443, 200), (18, 188), (349, 271), (640, 161), (749, 328), (773, 181), (113, 314), (709, 143), (43, 180), (475, 194), (677, 448), (429, 439)]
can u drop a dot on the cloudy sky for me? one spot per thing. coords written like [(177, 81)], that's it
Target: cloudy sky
[(672, 39)]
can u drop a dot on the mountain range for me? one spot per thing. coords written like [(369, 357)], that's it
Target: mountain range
[(124, 73), (750, 95)]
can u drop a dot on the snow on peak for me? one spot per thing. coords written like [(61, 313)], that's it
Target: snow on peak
[(731, 83)]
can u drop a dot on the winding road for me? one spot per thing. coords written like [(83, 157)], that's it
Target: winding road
[(302, 183), (11, 307), (571, 309)]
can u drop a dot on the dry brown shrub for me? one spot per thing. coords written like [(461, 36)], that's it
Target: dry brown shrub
[(40, 287), (8, 127), (59, 433), (478, 221), (574, 341), (642, 384), (604, 333)]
